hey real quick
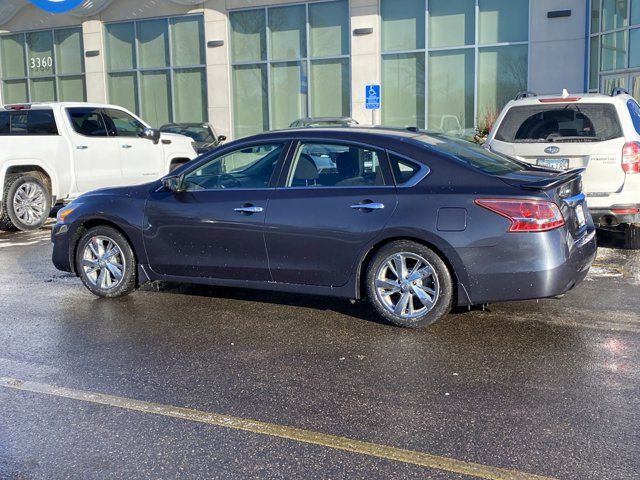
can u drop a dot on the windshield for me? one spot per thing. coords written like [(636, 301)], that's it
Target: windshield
[(199, 133), (473, 154), (573, 122)]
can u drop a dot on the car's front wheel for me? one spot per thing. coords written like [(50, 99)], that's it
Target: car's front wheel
[(105, 262), (409, 284)]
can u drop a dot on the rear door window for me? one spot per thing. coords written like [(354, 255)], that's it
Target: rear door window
[(88, 122), (575, 122), (634, 110)]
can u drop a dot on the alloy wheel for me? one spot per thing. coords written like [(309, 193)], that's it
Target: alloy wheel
[(30, 203), (103, 263), (407, 285)]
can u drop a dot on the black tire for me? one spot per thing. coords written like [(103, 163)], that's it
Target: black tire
[(127, 283), (9, 218), (440, 283), (632, 236)]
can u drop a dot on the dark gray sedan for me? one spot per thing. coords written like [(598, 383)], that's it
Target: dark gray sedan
[(416, 223)]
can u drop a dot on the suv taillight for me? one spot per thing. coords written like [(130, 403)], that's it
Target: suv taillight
[(526, 215), (631, 157)]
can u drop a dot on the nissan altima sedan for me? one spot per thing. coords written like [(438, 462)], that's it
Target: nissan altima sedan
[(413, 222)]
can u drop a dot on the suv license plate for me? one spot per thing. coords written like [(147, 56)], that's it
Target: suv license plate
[(556, 163), (580, 215)]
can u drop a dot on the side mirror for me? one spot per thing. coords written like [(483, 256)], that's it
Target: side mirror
[(151, 134), (221, 138), (172, 183)]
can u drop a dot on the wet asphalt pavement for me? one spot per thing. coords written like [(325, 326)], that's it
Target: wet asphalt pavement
[(549, 388)]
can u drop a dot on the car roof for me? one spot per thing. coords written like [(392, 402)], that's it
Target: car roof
[(37, 105), (339, 132), (571, 98)]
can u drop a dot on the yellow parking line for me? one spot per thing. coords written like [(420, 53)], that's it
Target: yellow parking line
[(296, 434)]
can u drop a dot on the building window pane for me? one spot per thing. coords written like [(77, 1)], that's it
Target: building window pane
[(12, 56), (330, 89), (594, 62), (155, 97), (403, 25), (120, 46), (157, 85), (635, 88), (502, 72), (251, 113), (634, 48), (503, 21), (71, 89), (43, 90), (288, 93), (329, 29), (123, 90), (635, 12), (595, 16), (614, 50), (287, 30), (186, 36), (153, 44), (15, 91), (451, 24), (451, 85), (248, 36), (614, 14), (191, 101), (40, 48), (403, 80), (69, 51)]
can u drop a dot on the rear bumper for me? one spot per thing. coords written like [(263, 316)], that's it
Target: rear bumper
[(616, 215), (529, 266)]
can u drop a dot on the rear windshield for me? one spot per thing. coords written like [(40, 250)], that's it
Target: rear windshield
[(473, 154), (573, 122)]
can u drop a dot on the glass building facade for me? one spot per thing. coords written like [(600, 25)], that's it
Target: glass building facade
[(614, 46), (42, 66), (289, 62), (446, 64), (156, 68)]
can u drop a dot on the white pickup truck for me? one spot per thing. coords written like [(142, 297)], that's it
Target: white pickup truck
[(53, 152)]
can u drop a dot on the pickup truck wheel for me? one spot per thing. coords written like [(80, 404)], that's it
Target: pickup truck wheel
[(632, 236), (105, 263), (26, 203)]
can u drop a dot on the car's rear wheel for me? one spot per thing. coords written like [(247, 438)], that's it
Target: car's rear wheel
[(105, 262), (26, 203), (632, 236), (409, 284)]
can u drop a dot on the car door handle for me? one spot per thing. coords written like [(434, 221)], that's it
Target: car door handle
[(81, 147), (368, 206), (250, 209), (126, 146)]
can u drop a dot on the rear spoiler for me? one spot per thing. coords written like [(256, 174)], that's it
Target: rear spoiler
[(554, 181)]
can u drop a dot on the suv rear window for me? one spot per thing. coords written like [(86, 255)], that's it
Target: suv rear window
[(634, 110), (574, 122), (28, 122)]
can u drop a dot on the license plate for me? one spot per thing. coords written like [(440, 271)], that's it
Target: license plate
[(557, 163), (580, 216)]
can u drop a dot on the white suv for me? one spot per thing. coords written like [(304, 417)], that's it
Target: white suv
[(596, 132), (53, 152)]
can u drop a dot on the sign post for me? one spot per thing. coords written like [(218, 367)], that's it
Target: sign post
[(373, 100)]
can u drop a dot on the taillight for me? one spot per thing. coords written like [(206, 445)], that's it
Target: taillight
[(631, 157), (526, 215)]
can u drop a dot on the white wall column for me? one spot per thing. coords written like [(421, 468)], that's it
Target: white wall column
[(96, 75)]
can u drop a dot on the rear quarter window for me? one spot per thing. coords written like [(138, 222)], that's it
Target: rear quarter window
[(634, 110), (571, 122)]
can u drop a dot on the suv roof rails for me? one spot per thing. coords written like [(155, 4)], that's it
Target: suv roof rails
[(619, 91), (525, 94)]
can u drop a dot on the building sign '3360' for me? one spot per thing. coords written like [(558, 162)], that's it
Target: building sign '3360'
[(41, 64)]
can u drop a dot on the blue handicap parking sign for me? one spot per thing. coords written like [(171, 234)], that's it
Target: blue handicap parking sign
[(372, 96)]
